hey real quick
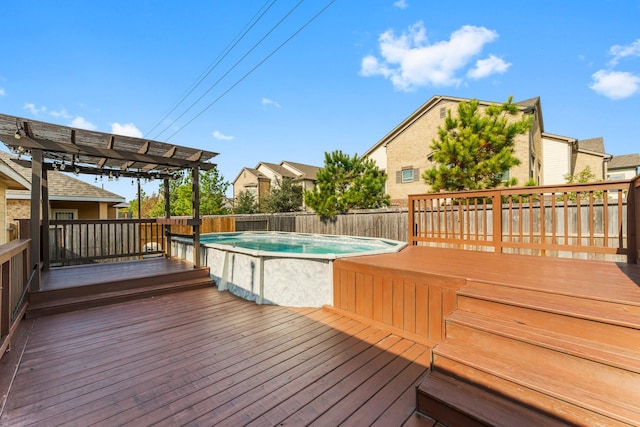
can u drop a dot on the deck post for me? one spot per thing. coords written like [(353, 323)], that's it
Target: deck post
[(633, 218), (496, 203), (36, 174), (411, 219)]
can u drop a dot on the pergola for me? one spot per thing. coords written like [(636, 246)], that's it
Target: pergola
[(48, 146)]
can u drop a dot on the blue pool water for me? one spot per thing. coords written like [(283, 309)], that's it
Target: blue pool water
[(298, 243)]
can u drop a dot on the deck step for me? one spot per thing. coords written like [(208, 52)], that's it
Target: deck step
[(119, 285), (549, 389), (480, 329), (454, 402), (62, 305), (598, 321)]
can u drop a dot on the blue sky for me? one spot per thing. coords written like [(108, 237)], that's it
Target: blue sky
[(316, 75)]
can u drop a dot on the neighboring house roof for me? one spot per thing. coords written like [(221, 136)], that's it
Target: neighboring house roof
[(12, 179), (279, 170), (625, 161), (61, 186), (595, 145), (254, 172), (306, 171), (528, 106), (567, 139)]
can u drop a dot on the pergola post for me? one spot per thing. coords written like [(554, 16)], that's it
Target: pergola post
[(167, 214), (36, 176), (45, 220), (195, 198)]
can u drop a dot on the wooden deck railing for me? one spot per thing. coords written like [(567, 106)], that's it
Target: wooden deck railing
[(16, 275), (566, 220), (84, 241)]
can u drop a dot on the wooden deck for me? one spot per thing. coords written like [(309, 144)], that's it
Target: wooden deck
[(204, 357)]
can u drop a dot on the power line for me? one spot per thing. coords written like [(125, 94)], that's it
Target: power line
[(233, 66), (232, 44), (253, 69)]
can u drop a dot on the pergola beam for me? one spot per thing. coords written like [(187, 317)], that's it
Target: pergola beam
[(86, 150)]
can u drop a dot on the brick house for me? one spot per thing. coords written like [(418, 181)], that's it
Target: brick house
[(69, 197), (404, 153), (259, 180)]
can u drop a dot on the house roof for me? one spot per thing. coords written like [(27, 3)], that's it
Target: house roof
[(280, 170), (567, 139), (624, 161), (306, 171), (595, 145), (11, 179), (527, 106), (252, 171), (99, 153), (61, 186)]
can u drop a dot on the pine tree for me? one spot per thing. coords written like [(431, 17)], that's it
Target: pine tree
[(475, 148), (347, 182)]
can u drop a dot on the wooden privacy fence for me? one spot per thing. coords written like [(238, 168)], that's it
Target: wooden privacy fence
[(16, 274), (596, 220)]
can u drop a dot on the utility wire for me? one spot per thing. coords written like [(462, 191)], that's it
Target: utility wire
[(234, 66), (253, 69), (232, 44)]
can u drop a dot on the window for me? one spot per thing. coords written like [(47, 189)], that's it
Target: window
[(443, 112), (64, 214), (504, 177), (615, 176), (407, 174)]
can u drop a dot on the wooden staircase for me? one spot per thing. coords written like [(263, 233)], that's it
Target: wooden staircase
[(523, 356), (61, 300)]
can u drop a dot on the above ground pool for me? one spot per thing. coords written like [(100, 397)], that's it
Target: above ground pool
[(299, 243), (270, 267)]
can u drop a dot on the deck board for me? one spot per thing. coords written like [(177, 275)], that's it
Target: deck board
[(205, 357)]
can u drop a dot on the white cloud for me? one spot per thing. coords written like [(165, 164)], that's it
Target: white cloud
[(2, 92), (218, 135), (619, 52), (61, 113), (127, 129), (615, 84), (489, 66), (267, 101), (82, 123), (410, 61), (402, 4), (33, 109)]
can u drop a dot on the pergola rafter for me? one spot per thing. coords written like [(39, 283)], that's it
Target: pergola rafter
[(55, 147)]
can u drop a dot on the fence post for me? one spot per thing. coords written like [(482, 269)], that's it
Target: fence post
[(496, 203)]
